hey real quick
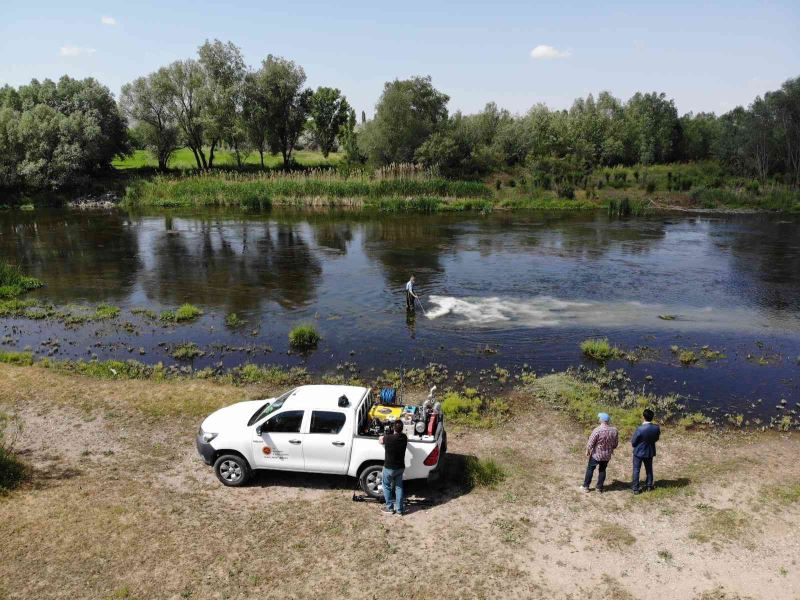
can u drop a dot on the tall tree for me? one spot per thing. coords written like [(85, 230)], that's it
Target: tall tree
[(224, 70), (255, 115), (187, 92), (329, 111), (407, 113), (147, 101), (287, 104)]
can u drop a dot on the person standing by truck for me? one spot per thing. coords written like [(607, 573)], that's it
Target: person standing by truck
[(394, 465), (411, 296)]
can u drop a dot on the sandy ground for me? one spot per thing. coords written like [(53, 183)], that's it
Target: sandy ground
[(120, 506)]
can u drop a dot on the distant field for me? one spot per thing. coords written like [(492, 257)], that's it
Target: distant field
[(184, 159)]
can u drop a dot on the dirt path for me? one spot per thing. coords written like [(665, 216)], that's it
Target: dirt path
[(121, 507)]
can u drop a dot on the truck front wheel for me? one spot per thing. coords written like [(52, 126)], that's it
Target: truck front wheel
[(232, 470), (371, 479)]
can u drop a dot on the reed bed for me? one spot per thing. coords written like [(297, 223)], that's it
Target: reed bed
[(235, 188)]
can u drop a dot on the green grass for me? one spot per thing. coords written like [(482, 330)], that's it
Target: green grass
[(420, 191), (183, 314), (16, 358), (719, 525), (187, 351), (183, 159), (470, 409), (13, 471), (600, 349), (304, 337), (13, 283), (270, 374), (483, 472), (234, 321)]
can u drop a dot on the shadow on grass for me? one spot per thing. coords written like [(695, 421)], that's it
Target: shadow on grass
[(421, 494), (663, 487)]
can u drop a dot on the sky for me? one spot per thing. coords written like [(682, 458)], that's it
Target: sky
[(708, 56)]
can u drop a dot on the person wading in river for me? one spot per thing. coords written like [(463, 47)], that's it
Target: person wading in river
[(411, 297), (599, 449)]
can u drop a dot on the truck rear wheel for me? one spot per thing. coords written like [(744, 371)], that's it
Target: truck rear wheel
[(371, 481), (232, 470)]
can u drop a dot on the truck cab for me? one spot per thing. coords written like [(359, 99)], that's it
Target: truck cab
[(312, 429)]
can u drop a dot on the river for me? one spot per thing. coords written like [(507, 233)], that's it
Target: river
[(520, 290)]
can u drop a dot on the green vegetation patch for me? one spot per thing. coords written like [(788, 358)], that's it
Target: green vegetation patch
[(600, 349), (16, 358), (234, 321), (304, 337), (13, 283), (183, 314), (483, 472), (267, 374), (187, 351), (469, 408)]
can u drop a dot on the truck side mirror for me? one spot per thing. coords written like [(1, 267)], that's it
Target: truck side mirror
[(258, 430)]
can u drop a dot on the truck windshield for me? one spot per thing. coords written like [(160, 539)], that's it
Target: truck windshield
[(269, 408)]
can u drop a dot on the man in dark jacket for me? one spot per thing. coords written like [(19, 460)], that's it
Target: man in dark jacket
[(393, 467), (644, 449)]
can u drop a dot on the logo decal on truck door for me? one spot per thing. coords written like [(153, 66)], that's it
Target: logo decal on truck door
[(266, 450)]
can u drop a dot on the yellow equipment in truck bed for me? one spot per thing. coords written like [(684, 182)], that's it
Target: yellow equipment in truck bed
[(383, 412)]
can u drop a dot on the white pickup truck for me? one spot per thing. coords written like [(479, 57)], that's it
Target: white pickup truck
[(314, 429)]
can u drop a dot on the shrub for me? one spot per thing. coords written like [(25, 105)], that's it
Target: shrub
[(600, 349), (304, 337), (650, 187), (483, 472)]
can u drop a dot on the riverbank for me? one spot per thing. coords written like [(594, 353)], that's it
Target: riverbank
[(122, 477)]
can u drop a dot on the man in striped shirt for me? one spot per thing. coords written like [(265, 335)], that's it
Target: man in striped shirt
[(599, 449)]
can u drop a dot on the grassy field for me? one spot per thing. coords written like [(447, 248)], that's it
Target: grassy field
[(121, 507), (184, 159)]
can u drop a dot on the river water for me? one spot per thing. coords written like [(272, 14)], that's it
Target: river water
[(520, 290)]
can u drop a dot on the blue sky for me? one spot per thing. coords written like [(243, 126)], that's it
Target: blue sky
[(707, 56)]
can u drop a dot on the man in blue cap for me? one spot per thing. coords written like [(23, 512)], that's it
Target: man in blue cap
[(602, 442)]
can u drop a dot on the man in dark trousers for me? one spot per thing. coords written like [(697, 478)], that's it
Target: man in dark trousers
[(411, 296), (644, 449), (393, 466)]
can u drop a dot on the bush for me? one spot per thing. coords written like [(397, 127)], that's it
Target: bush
[(304, 337), (600, 349), (650, 187)]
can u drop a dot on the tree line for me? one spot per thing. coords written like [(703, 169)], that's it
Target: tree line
[(58, 134)]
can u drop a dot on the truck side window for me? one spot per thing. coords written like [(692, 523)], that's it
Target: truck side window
[(285, 422), (327, 421)]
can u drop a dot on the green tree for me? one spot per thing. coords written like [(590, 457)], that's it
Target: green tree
[(255, 115), (407, 113), (147, 101), (651, 128), (187, 92), (224, 70), (329, 111), (287, 104)]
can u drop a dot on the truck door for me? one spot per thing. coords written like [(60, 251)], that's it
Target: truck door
[(278, 443), (326, 447)]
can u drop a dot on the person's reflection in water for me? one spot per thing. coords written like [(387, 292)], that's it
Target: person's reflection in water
[(411, 323)]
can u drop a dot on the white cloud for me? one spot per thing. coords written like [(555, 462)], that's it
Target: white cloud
[(108, 21), (75, 51), (545, 52)]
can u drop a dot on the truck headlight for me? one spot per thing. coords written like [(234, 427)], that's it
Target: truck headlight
[(207, 436)]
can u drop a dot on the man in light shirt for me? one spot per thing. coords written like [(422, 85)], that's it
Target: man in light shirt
[(410, 295), (602, 442)]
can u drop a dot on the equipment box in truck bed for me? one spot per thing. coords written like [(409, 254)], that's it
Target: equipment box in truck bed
[(317, 429)]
